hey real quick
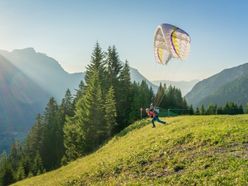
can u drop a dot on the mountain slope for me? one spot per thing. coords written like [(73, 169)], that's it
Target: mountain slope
[(228, 85), (184, 86), (138, 77), (20, 100), (43, 70), (190, 150)]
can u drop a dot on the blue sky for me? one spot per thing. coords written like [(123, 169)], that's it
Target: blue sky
[(68, 30)]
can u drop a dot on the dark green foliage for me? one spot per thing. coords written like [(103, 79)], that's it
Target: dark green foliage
[(97, 63), (141, 96), (202, 111), (113, 68), (52, 152), (212, 109), (191, 110), (7, 175), (246, 108), (79, 94), (197, 111), (86, 130), (110, 112), (66, 107), (170, 98), (229, 108), (124, 99), (73, 141), (35, 138), (6, 171)]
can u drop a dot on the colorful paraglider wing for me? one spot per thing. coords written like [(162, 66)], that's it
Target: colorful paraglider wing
[(170, 42), (162, 54), (180, 41)]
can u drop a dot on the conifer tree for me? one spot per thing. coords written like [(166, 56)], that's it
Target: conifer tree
[(20, 174), (110, 112), (79, 94), (97, 63), (203, 112), (191, 110), (124, 99), (66, 106), (197, 111), (51, 149), (113, 67), (35, 138), (73, 141)]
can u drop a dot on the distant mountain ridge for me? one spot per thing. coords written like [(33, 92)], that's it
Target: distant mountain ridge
[(184, 86), (228, 85), (43, 70), (20, 100)]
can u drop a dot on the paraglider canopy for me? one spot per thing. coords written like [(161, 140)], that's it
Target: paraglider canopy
[(170, 42)]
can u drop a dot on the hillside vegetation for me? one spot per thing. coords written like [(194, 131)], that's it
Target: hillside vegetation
[(204, 150)]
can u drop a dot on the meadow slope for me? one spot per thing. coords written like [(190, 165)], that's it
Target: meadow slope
[(190, 150)]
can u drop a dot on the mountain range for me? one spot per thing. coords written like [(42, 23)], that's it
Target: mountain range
[(184, 86), (228, 85), (20, 100)]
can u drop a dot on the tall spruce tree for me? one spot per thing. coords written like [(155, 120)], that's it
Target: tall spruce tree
[(110, 112), (87, 128), (66, 106), (97, 62), (73, 140), (52, 142), (124, 99), (113, 67), (35, 138)]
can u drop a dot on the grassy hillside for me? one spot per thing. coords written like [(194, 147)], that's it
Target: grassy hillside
[(204, 150)]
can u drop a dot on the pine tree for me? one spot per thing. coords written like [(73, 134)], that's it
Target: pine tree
[(51, 149), (66, 106), (97, 63), (110, 112), (20, 174), (124, 100), (87, 125), (191, 110), (73, 141), (79, 94), (37, 165), (197, 112), (86, 129), (6, 172), (15, 155), (35, 138), (113, 67), (203, 112), (246, 108), (159, 98), (91, 110), (135, 102)]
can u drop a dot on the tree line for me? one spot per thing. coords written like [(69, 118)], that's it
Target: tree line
[(230, 108)]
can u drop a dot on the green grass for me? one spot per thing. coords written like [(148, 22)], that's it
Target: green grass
[(190, 150)]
